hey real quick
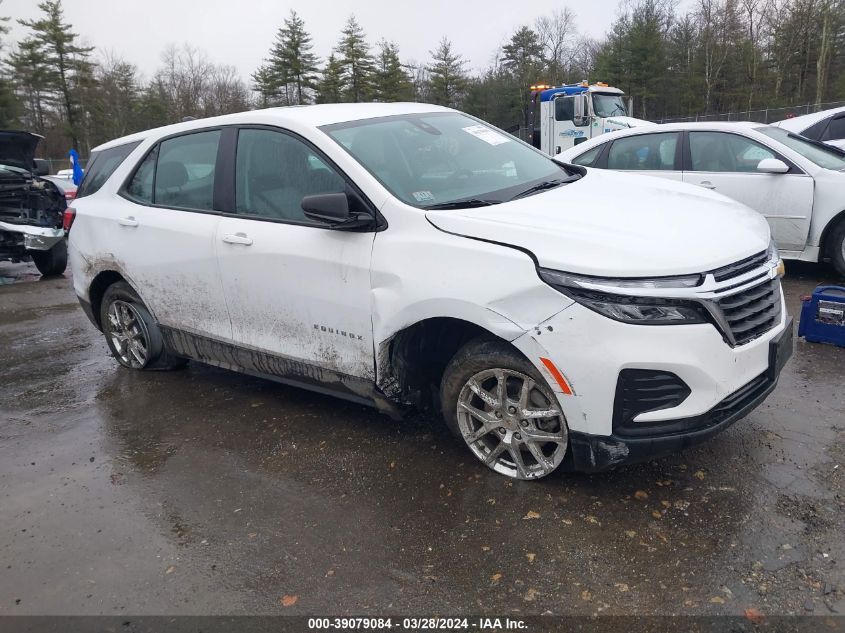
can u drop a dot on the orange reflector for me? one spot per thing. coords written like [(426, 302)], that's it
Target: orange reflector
[(555, 372)]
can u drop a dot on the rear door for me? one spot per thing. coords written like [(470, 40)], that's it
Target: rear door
[(648, 154), (296, 290), (727, 163), (164, 233)]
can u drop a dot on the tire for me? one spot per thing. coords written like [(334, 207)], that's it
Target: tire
[(52, 262), (836, 247), (131, 332), (507, 434)]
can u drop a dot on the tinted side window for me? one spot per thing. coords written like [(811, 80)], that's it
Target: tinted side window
[(721, 152), (651, 152), (589, 157), (836, 130), (564, 108), (184, 174), (816, 130), (101, 165), (140, 188), (274, 171)]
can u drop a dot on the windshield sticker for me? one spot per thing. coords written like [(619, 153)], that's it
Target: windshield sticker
[(423, 196), (486, 134)]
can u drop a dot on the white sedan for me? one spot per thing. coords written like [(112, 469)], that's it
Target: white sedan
[(827, 126), (796, 183)]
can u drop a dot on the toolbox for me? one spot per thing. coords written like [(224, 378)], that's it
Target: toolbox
[(823, 316)]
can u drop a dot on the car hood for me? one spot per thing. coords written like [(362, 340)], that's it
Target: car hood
[(17, 149), (618, 225)]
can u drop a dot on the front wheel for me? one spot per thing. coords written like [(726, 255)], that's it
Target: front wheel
[(51, 262), (502, 408)]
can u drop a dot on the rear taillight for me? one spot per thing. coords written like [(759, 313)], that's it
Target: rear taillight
[(68, 218), (70, 195)]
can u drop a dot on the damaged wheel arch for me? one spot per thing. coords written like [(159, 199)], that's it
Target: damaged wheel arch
[(410, 364)]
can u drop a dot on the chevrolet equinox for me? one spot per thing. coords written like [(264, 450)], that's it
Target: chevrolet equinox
[(411, 256)]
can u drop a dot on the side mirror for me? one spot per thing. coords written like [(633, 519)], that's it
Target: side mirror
[(41, 167), (333, 209), (581, 111), (772, 166)]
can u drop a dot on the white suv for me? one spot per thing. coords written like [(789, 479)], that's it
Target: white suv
[(407, 255)]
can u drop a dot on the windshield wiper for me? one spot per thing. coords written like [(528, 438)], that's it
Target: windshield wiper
[(463, 204), (546, 184)]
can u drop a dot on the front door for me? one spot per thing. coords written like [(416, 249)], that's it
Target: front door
[(295, 289), (727, 163), (564, 132)]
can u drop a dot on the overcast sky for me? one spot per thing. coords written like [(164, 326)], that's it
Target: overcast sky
[(240, 32)]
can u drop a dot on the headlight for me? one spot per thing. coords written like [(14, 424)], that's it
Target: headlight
[(627, 308), (774, 256)]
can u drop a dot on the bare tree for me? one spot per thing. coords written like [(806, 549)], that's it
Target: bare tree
[(193, 86), (556, 33)]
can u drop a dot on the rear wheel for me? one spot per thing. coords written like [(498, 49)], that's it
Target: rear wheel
[(131, 333), (53, 261), (836, 247), (502, 408)]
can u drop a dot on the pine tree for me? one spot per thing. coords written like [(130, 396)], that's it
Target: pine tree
[(264, 83), (9, 106), (333, 85), (57, 42), (447, 76), (522, 57), (34, 80), (292, 62), (390, 79), (354, 56), (115, 104)]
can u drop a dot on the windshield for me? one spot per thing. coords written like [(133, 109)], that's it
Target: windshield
[(608, 105), (434, 159), (822, 155)]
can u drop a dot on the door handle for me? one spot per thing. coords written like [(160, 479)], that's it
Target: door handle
[(130, 221), (707, 184), (237, 238)]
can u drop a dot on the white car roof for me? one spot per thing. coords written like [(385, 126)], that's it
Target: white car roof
[(293, 117), (801, 123)]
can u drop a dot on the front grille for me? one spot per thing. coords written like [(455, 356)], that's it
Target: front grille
[(741, 267), (752, 312), (642, 390)]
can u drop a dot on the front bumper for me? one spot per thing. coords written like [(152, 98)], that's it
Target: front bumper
[(593, 453), (35, 238)]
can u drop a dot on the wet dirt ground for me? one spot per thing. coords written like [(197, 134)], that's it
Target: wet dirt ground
[(207, 492)]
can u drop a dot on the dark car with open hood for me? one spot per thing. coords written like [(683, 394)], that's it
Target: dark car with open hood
[(31, 207)]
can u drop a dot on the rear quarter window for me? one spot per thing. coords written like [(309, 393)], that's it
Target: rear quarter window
[(101, 165), (589, 157), (816, 130)]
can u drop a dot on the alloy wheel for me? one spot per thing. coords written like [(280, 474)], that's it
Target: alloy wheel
[(128, 334), (512, 423)]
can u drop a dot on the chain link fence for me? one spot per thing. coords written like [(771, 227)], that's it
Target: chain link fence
[(768, 115), (57, 164)]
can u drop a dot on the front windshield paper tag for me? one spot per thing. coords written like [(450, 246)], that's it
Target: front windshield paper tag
[(486, 134), (423, 196)]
